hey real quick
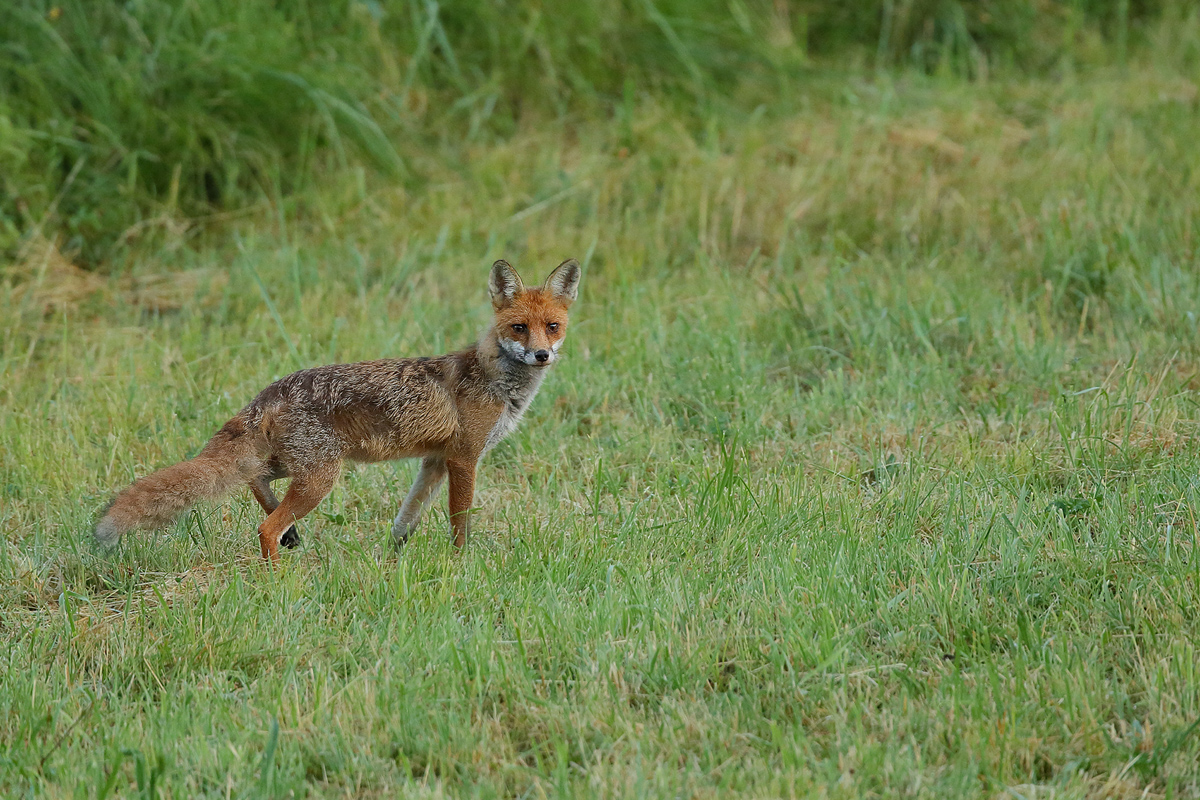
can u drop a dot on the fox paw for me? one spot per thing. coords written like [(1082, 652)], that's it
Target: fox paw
[(290, 538), (400, 533)]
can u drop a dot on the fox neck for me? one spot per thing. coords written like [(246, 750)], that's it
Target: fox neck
[(514, 380)]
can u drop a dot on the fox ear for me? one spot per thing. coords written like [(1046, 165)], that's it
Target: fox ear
[(563, 283), (504, 284)]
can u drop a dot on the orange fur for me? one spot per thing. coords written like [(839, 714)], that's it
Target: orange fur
[(447, 410)]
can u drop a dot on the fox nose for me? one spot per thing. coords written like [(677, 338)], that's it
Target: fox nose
[(542, 356)]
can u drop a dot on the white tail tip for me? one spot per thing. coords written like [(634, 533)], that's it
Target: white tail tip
[(108, 535)]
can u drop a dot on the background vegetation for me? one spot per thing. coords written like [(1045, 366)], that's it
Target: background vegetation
[(872, 470), (115, 114)]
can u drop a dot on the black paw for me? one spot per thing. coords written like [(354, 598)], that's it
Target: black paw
[(290, 538)]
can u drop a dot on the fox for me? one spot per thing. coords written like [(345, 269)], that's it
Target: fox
[(447, 410)]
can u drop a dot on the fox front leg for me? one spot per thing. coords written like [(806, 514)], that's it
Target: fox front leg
[(433, 472), (462, 491)]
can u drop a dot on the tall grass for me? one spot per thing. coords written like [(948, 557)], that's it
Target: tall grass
[(115, 117)]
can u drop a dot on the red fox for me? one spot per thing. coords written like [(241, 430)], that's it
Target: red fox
[(448, 411)]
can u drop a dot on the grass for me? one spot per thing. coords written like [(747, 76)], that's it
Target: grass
[(114, 115), (872, 469)]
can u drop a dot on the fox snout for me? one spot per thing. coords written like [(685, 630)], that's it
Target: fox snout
[(533, 356)]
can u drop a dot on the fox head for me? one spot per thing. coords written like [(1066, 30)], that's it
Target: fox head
[(531, 323)]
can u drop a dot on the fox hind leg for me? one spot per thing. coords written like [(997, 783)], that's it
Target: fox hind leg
[(433, 472), (305, 492), (261, 489)]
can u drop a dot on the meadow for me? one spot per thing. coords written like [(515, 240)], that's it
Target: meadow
[(870, 470)]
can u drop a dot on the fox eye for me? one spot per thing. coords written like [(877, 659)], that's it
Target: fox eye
[(552, 327), (519, 328)]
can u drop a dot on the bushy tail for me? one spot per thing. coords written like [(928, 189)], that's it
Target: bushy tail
[(231, 458)]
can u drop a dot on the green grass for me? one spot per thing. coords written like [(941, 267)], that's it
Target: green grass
[(117, 115), (872, 469)]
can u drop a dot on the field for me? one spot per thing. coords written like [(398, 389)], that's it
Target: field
[(871, 469)]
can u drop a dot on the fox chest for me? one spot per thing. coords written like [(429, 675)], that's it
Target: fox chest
[(517, 393), (505, 424)]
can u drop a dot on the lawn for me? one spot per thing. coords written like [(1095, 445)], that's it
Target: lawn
[(870, 470)]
